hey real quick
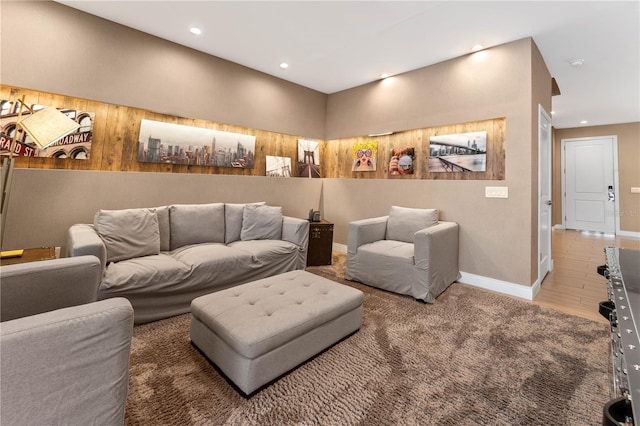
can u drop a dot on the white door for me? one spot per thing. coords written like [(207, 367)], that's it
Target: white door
[(589, 198), (544, 194)]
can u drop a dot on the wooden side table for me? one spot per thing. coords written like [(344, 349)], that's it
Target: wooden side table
[(320, 243), (31, 255)]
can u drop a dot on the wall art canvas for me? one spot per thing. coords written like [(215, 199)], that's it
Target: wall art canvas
[(76, 145), (278, 166), (161, 142), (308, 159), (402, 161), (365, 156), (462, 152)]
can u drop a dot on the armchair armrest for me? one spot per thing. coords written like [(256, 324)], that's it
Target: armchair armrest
[(82, 239), (36, 287), (69, 366), (437, 247), (366, 231)]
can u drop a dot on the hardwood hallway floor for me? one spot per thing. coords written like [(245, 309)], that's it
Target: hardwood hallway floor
[(574, 285)]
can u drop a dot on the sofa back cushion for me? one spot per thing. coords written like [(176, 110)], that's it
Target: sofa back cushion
[(233, 214), (403, 222), (165, 227), (196, 223), (128, 233), (260, 222)]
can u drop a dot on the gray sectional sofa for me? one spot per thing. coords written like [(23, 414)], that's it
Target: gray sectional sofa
[(162, 258)]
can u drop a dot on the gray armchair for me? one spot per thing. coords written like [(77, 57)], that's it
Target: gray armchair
[(408, 252), (64, 358)]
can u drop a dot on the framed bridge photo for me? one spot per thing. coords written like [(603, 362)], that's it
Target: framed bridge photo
[(462, 152)]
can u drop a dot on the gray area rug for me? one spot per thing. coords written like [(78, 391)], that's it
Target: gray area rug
[(472, 358)]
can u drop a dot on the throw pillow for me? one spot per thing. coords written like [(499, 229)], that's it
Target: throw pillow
[(404, 222), (260, 222), (128, 233), (196, 223), (233, 221)]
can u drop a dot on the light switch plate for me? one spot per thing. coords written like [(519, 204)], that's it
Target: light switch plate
[(496, 191), (635, 190)]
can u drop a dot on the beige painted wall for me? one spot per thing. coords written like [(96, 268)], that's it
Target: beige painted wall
[(45, 203), (50, 47), (118, 65), (628, 135), (498, 237)]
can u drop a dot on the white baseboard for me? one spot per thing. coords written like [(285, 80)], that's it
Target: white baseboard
[(629, 234), (340, 248), (517, 290)]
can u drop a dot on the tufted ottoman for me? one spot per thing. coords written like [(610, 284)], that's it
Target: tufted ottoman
[(258, 331)]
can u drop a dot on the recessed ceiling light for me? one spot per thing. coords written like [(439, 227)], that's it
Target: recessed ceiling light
[(584, 122), (284, 65), (195, 30), (476, 47), (384, 75), (553, 112), (576, 62)]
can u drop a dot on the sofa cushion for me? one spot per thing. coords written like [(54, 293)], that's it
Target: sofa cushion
[(196, 223), (143, 274), (165, 227), (128, 233), (266, 252), (233, 214), (215, 264), (403, 222), (260, 222)]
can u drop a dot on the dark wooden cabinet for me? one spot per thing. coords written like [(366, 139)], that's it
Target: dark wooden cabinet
[(320, 243)]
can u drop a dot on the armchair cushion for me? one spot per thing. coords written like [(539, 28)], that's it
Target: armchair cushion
[(403, 222), (128, 233), (388, 263)]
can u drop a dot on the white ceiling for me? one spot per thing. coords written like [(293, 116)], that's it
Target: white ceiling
[(336, 45)]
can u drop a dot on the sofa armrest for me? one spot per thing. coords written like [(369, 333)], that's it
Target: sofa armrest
[(366, 231), (69, 366), (296, 231), (42, 286), (82, 239), (437, 247)]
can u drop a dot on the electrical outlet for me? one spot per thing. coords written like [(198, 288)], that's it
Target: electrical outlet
[(496, 191)]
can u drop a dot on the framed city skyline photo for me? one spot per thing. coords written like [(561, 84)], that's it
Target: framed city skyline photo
[(462, 152), (161, 142)]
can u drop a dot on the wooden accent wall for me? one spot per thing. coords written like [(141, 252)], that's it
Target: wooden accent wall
[(116, 131), (337, 157)]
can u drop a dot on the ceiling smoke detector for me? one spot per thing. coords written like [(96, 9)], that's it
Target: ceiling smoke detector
[(576, 62)]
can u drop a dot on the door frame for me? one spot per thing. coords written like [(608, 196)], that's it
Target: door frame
[(616, 183), (543, 114)]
